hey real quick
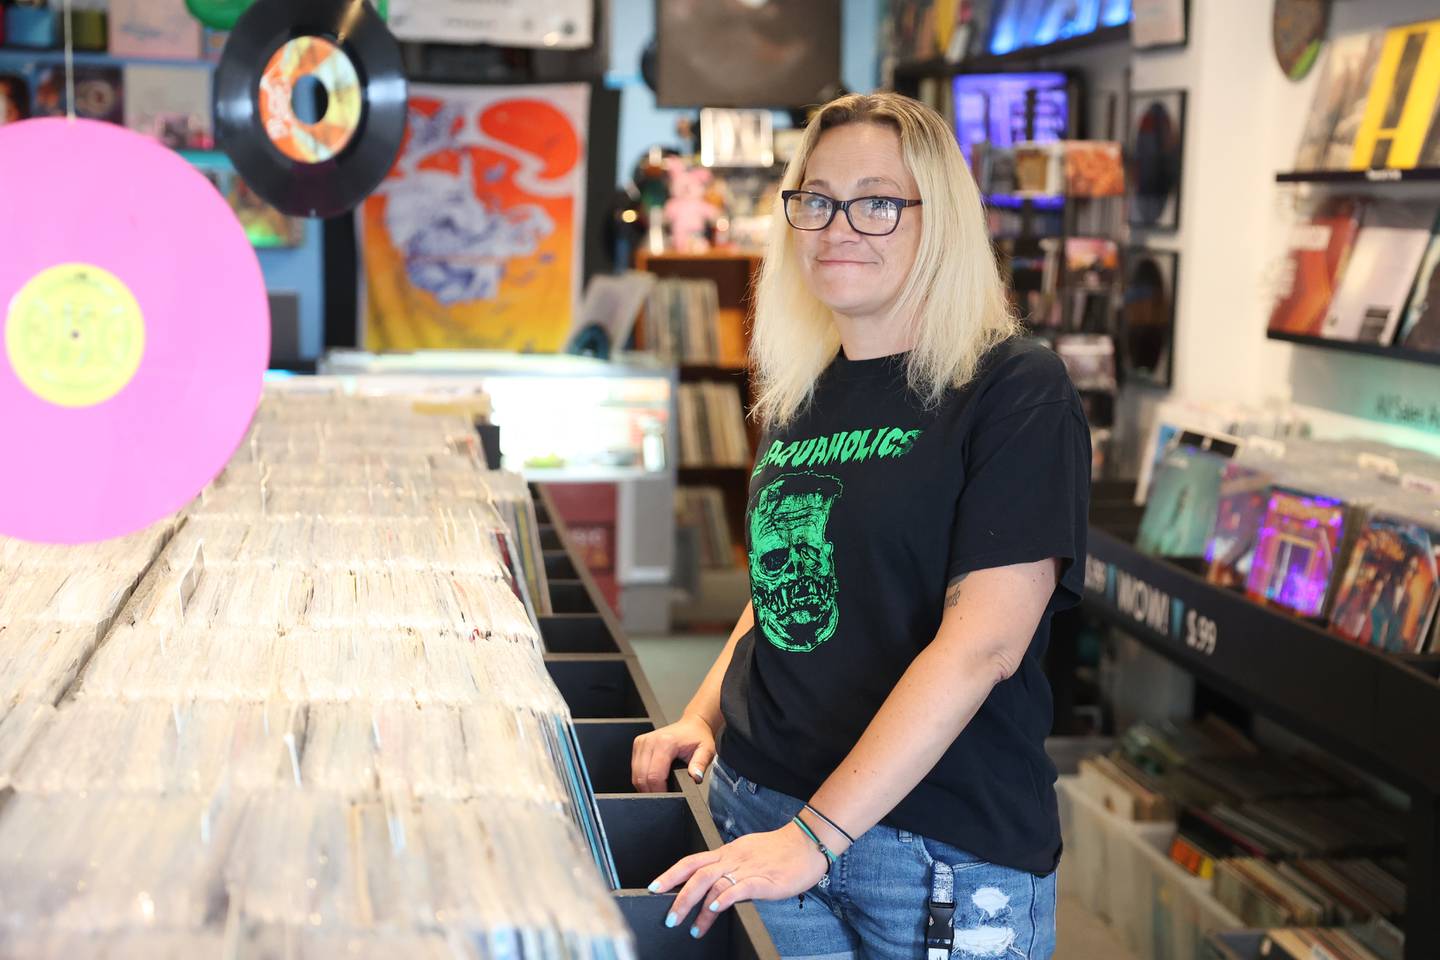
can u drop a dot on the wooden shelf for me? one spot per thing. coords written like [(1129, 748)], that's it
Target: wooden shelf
[(1350, 346)]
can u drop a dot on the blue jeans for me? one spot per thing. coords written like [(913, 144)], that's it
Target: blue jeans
[(872, 903)]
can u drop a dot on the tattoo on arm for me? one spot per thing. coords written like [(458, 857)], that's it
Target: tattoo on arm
[(952, 593)]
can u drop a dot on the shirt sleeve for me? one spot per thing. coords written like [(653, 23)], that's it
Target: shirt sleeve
[(1026, 494)]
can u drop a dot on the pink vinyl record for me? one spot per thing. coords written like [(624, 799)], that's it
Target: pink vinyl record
[(134, 331)]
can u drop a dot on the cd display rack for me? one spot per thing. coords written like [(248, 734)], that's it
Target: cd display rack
[(1376, 710), (597, 672)]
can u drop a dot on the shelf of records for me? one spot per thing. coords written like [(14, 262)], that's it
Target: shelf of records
[(1254, 557), (712, 426), (1363, 273), (702, 510), (681, 322), (1191, 832), (1374, 115), (357, 699)]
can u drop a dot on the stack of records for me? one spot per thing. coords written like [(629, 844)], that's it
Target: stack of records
[(321, 726), (703, 509), (712, 426), (1309, 892), (682, 321), (1373, 941)]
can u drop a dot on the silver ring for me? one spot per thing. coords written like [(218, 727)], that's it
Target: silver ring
[(731, 878)]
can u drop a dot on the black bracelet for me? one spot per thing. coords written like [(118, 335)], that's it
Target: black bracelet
[(833, 825)]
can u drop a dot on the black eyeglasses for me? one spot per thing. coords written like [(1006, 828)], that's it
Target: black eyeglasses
[(872, 216)]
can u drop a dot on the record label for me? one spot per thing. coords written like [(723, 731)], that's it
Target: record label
[(328, 66), (74, 335)]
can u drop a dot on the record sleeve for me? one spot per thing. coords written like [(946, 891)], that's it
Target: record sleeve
[(1244, 496), (1402, 98), (14, 98), (1388, 594), (1297, 551), (1184, 497), (99, 93), (1341, 97), (153, 29), (1421, 330), (171, 104), (1148, 314), (1319, 249), (1369, 301)]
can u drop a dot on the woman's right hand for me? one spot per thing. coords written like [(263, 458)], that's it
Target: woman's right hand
[(689, 739)]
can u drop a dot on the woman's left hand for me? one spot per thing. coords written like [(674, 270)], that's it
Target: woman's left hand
[(763, 866)]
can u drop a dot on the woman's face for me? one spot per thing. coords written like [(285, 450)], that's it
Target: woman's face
[(854, 274)]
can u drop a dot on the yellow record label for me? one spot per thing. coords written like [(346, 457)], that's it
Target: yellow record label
[(75, 335)]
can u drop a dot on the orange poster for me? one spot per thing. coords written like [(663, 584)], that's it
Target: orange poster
[(474, 239)]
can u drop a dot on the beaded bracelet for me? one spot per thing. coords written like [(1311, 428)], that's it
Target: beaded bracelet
[(830, 857)]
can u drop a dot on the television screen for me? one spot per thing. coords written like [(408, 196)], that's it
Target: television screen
[(990, 107), (781, 54)]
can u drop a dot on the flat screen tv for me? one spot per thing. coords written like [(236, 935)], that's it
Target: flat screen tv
[(990, 107), (746, 53)]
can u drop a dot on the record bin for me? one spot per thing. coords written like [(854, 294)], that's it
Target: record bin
[(596, 670)]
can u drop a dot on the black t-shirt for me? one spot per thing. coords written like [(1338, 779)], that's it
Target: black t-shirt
[(862, 511)]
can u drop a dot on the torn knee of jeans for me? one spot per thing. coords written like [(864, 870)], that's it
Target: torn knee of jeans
[(982, 927), (984, 941)]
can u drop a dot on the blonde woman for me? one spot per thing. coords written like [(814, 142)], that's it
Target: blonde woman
[(917, 515)]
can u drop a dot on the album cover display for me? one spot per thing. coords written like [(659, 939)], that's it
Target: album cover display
[(1298, 551), (1240, 512), (1421, 329), (1319, 249), (171, 104), (1156, 148), (1183, 500), (1341, 97), (99, 93), (14, 98), (1090, 360), (1388, 594), (1402, 98), (1158, 23), (1148, 315), (1368, 305)]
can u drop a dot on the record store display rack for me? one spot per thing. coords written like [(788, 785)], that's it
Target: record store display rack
[(337, 707)]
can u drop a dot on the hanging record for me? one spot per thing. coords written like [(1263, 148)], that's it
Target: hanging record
[(134, 332), (310, 103), (1297, 32)]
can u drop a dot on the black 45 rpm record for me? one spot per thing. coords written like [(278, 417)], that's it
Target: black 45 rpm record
[(310, 103)]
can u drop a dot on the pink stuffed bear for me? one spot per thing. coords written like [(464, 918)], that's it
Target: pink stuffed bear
[(688, 212)]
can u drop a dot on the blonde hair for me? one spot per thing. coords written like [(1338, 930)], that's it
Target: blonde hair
[(954, 291)]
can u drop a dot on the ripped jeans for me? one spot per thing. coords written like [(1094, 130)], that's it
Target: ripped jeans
[(872, 903)]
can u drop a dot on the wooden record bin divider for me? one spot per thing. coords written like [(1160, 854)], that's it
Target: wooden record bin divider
[(595, 668)]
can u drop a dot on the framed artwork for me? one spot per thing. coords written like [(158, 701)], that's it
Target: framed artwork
[(1159, 23), (1155, 150), (1147, 318)]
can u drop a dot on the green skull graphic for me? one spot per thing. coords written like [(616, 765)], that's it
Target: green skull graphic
[(792, 565)]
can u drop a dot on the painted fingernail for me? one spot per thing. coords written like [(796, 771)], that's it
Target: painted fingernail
[(715, 906), (695, 932), (654, 887), (671, 920)]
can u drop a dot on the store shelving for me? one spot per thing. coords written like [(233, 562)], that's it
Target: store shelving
[(1413, 175), (594, 666), (1349, 346), (1025, 56), (1376, 710)]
